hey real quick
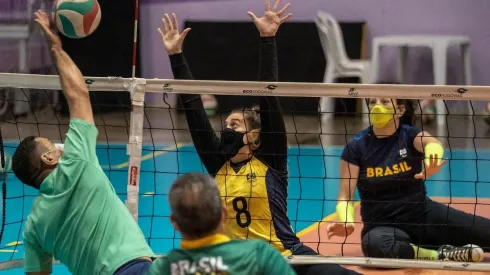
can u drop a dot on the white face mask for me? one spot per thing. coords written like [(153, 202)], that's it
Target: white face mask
[(59, 146)]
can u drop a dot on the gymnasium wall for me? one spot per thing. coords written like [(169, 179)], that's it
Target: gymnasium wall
[(383, 17)]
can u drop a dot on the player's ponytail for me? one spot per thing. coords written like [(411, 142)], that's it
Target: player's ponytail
[(408, 118), (252, 119)]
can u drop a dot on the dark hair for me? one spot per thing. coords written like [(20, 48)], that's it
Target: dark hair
[(196, 204), (26, 162), (250, 115), (408, 117)]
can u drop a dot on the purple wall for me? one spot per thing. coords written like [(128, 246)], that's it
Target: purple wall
[(383, 17)]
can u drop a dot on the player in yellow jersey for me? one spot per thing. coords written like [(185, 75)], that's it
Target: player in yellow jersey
[(249, 161)]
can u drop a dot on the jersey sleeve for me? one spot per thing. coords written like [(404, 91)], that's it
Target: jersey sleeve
[(411, 133), (202, 133), (271, 261), (273, 139), (35, 259), (81, 140), (351, 153)]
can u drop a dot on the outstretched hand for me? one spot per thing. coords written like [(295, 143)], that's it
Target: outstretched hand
[(340, 229), (269, 24), (172, 39), (428, 170), (51, 36)]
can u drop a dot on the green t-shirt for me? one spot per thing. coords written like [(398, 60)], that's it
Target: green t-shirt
[(77, 216), (218, 255)]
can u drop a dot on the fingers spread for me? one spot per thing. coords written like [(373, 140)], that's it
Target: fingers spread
[(443, 162), (281, 12), (168, 22), (276, 5), (285, 18), (175, 22), (161, 32), (184, 33), (253, 16), (267, 5)]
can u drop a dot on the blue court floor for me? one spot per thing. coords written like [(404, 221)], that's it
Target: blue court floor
[(313, 188)]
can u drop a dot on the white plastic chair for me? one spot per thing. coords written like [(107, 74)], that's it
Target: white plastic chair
[(338, 63)]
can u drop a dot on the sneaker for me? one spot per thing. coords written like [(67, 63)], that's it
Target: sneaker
[(467, 253)]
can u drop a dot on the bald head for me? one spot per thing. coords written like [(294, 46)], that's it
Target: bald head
[(196, 205)]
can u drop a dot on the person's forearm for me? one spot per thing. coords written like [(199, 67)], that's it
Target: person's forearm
[(71, 78)]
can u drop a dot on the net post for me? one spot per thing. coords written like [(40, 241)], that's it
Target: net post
[(134, 148)]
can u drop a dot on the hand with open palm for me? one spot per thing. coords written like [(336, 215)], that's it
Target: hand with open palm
[(428, 170), (340, 229), (42, 19), (172, 39), (269, 24)]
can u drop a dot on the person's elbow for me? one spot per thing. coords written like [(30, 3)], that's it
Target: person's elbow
[(76, 94)]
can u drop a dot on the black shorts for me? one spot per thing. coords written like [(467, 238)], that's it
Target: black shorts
[(441, 225)]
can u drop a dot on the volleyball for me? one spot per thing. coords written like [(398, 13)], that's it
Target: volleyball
[(77, 18)]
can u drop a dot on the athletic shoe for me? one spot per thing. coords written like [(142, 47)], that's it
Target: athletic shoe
[(467, 253)]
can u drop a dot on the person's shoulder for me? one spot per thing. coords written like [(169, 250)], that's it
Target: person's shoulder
[(360, 136), (406, 127), (410, 130), (252, 244)]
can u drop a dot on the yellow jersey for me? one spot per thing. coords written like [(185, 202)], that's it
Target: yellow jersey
[(255, 197)]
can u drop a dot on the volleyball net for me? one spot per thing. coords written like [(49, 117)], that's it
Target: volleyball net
[(144, 147)]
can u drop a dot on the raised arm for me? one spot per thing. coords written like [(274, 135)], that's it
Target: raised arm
[(72, 81), (205, 139), (273, 137)]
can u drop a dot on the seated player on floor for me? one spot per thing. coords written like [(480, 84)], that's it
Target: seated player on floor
[(388, 162), (77, 216), (199, 215), (249, 161)]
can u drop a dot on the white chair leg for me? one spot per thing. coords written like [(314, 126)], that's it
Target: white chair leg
[(439, 54), (20, 106), (402, 64), (327, 104), (466, 66)]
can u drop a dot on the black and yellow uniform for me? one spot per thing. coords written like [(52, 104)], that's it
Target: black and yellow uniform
[(395, 209), (255, 191)]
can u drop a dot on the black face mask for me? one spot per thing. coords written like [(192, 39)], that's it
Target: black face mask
[(231, 142)]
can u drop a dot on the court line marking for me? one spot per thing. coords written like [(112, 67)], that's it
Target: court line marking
[(11, 250), (328, 218), (148, 156)]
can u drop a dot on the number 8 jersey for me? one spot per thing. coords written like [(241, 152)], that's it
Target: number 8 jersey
[(255, 196)]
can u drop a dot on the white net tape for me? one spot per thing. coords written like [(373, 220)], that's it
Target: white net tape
[(245, 88), (138, 88)]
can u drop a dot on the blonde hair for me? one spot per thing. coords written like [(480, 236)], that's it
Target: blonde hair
[(251, 116)]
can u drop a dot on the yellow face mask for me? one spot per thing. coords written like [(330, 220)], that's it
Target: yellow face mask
[(381, 115)]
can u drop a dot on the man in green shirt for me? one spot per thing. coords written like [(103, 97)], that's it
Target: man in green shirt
[(77, 217), (198, 214)]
